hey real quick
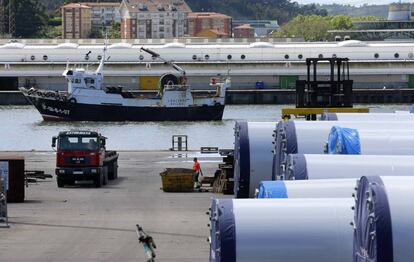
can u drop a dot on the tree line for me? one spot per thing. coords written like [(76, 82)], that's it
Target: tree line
[(315, 28)]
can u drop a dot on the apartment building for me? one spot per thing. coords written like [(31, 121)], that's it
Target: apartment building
[(201, 22), (102, 14), (153, 18), (76, 19)]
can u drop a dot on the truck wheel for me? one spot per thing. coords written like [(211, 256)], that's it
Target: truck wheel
[(60, 182), (105, 175), (98, 181), (113, 171)]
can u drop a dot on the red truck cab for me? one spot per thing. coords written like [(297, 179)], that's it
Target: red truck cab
[(82, 155)]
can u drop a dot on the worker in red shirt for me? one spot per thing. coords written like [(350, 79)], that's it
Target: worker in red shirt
[(198, 172)]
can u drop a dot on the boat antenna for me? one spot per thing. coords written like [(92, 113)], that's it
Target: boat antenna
[(67, 63)]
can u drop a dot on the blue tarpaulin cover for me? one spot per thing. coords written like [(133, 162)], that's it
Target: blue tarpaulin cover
[(412, 109), (344, 141), (272, 189)]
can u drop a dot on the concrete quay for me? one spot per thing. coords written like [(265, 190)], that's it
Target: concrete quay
[(83, 223), (270, 96)]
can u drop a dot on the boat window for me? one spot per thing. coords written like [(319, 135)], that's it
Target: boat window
[(286, 56), (376, 55), (396, 55), (207, 57), (320, 56), (300, 56), (243, 57), (194, 57), (229, 57), (78, 81), (89, 81)]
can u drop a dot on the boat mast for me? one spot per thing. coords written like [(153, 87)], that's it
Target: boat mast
[(102, 62), (99, 70)]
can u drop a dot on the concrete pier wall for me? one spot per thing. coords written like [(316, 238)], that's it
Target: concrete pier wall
[(270, 96), (391, 74)]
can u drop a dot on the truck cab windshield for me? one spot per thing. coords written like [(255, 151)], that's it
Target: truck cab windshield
[(88, 143)]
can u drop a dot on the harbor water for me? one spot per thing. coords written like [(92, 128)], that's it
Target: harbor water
[(23, 128)]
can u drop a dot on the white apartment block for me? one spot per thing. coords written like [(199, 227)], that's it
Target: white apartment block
[(153, 18)]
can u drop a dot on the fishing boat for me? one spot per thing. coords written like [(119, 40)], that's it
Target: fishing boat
[(88, 99)]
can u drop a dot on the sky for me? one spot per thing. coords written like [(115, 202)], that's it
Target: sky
[(352, 2)]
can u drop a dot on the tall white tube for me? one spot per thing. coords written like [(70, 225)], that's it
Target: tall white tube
[(282, 230), (310, 137), (384, 225), (366, 117), (319, 188), (318, 166), (253, 156), (344, 140)]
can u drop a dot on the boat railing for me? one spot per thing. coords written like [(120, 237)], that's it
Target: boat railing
[(176, 87)]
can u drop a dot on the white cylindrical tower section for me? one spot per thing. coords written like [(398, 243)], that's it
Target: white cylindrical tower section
[(366, 117), (285, 230), (322, 166), (253, 156), (384, 225), (310, 137), (319, 188), (344, 140)]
